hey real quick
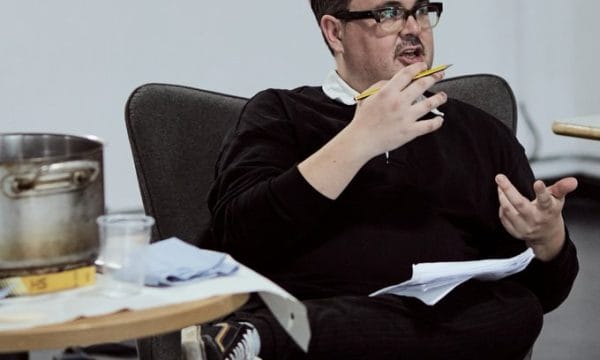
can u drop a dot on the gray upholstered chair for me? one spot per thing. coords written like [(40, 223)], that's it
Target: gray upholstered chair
[(175, 133), (490, 93)]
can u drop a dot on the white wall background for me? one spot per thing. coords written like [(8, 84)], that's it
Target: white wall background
[(68, 66)]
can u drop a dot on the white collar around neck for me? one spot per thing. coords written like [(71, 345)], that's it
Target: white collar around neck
[(338, 90)]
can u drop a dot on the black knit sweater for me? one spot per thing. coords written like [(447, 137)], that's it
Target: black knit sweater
[(434, 199)]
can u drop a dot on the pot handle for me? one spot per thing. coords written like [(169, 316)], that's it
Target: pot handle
[(52, 179)]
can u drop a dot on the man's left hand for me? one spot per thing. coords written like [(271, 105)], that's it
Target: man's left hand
[(539, 222)]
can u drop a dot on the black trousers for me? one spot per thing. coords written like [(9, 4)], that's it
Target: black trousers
[(478, 320)]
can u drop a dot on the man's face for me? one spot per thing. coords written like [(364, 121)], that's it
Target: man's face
[(371, 54)]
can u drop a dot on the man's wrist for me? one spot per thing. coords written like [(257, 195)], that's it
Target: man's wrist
[(548, 248)]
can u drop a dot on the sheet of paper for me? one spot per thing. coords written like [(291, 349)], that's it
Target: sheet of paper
[(432, 281), (31, 311)]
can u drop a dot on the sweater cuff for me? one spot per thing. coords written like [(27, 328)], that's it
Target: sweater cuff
[(564, 257)]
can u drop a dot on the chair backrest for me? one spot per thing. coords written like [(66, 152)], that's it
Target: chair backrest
[(176, 131), (487, 92)]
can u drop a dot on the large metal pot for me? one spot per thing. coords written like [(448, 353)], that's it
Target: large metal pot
[(51, 192)]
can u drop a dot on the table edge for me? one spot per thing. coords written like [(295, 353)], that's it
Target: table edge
[(576, 130), (120, 326)]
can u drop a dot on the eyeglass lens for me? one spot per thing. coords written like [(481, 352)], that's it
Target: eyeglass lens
[(426, 18)]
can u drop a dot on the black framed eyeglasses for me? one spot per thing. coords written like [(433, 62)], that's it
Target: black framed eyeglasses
[(393, 18)]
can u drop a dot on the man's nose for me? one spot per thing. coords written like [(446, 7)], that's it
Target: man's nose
[(411, 26)]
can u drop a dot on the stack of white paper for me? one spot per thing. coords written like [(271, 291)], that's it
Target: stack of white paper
[(432, 281)]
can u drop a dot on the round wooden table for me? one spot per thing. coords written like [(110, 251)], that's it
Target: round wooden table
[(124, 325)]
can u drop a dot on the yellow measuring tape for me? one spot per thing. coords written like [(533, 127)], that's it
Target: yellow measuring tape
[(44, 283)]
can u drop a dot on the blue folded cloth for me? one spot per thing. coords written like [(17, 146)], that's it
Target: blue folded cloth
[(173, 261)]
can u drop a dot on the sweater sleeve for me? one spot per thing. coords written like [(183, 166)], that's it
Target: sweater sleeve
[(550, 281), (262, 207)]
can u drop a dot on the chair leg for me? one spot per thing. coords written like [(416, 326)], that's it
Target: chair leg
[(190, 344)]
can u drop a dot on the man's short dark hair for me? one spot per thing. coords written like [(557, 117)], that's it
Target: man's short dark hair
[(327, 7)]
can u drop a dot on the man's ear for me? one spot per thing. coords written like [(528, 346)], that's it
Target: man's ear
[(333, 32)]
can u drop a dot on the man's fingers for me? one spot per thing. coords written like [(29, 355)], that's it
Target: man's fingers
[(543, 195), (405, 76), (518, 201), (561, 188), (506, 208), (511, 218), (416, 88), (426, 105), (533, 220), (426, 126), (404, 81)]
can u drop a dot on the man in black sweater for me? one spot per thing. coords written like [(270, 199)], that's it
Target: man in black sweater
[(333, 198)]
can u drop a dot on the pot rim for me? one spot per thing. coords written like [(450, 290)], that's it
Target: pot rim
[(91, 138)]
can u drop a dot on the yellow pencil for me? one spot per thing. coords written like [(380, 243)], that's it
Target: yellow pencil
[(370, 91)]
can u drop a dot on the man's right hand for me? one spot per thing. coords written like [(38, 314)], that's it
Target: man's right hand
[(383, 122), (388, 119)]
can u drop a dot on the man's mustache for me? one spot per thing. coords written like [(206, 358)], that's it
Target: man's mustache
[(408, 41)]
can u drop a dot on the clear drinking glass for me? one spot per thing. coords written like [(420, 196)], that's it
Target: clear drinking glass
[(123, 241)]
